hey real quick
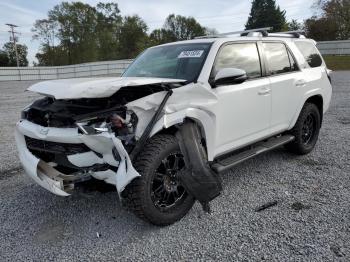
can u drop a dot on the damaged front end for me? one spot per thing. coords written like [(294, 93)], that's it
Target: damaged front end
[(65, 141)]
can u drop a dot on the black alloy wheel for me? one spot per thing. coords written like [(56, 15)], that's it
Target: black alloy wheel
[(166, 190)]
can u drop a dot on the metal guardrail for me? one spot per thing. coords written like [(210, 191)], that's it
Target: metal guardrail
[(341, 47), (58, 72)]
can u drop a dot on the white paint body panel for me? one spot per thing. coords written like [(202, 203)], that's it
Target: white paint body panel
[(92, 87)]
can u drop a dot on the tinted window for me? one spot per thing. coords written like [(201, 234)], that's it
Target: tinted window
[(310, 53), (278, 58), (242, 56), (182, 61)]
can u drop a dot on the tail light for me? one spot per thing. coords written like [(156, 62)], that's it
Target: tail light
[(328, 72)]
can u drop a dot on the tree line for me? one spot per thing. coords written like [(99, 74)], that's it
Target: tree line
[(75, 32)]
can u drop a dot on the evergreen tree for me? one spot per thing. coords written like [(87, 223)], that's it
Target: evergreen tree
[(265, 13)]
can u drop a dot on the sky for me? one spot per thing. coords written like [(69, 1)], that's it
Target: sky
[(223, 15)]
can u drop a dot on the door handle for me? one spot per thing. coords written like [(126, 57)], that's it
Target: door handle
[(300, 83), (264, 91)]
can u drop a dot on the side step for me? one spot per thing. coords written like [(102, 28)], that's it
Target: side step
[(230, 161)]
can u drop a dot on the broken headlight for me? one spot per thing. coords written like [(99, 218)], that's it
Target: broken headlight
[(121, 125), (25, 110)]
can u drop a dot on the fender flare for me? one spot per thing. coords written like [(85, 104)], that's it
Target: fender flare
[(205, 119), (309, 94)]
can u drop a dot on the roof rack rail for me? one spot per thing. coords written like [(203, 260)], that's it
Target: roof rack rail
[(258, 32), (291, 34), (263, 31)]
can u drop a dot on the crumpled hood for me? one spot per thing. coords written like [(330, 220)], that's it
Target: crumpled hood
[(76, 88)]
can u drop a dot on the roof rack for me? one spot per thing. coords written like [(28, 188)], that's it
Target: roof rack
[(262, 32), (290, 34)]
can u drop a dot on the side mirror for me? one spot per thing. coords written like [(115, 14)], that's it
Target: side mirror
[(227, 76)]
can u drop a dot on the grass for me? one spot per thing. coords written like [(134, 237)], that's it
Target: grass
[(337, 63)]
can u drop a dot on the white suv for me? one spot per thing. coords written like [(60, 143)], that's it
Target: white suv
[(181, 114)]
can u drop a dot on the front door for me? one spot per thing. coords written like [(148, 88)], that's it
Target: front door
[(243, 112)]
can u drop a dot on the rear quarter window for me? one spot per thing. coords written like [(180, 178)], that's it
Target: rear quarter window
[(310, 53)]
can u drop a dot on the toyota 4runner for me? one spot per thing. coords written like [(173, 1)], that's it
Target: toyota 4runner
[(181, 114)]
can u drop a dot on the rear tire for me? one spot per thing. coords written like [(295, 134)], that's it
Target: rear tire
[(157, 196), (306, 130)]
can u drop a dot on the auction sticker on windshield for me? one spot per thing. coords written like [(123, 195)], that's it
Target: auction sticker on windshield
[(190, 54)]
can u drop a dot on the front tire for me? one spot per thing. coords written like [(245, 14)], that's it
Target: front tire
[(306, 130), (158, 196)]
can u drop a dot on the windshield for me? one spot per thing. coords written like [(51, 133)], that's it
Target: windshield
[(181, 61)]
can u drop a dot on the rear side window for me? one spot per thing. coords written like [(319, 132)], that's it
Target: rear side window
[(279, 59), (243, 56), (310, 53)]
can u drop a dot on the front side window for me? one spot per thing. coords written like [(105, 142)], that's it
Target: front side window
[(243, 56), (310, 53), (278, 58), (181, 61)]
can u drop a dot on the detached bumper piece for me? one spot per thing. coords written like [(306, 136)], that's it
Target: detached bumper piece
[(199, 179), (58, 158)]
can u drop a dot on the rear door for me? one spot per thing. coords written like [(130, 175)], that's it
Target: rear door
[(286, 83)]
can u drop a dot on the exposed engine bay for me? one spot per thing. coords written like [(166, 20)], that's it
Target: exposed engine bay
[(92, 115)]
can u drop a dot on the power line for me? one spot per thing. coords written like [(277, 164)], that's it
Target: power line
[(14, 33)]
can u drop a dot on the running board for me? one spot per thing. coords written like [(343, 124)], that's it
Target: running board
[(224, 164)]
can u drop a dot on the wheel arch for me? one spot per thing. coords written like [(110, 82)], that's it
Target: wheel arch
[(206, 121), (314, 98), (318, 101)]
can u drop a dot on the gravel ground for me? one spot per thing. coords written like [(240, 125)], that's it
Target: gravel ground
[(12, 100), (311, 221)]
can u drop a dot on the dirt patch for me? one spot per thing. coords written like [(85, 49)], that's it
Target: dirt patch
[(10, 172), (298, 206), (50, 232), (344, 120)]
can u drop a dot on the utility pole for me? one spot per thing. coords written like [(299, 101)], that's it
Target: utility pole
[(13, 33)]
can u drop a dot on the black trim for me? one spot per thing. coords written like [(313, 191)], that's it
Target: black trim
[(146, 134), (262, 59), (198, 178), (54, 147)]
